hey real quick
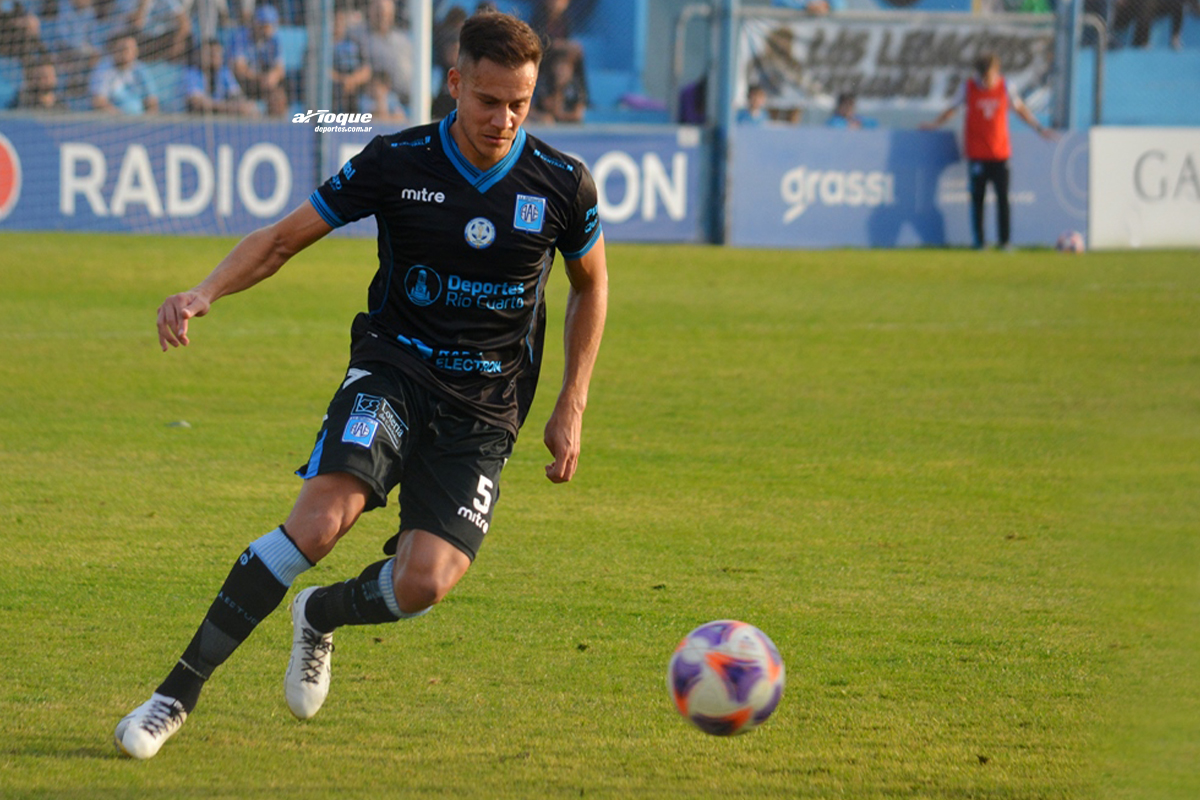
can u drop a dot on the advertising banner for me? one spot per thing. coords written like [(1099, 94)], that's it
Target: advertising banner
[(891, 62), (230, 178), (821, 187), (151, 177), (650, 181), (1145, 187)]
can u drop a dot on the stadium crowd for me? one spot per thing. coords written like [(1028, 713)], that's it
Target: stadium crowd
[(246, 57), (229, 56)]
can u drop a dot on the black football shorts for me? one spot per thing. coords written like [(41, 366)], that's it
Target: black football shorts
[(389, 430)]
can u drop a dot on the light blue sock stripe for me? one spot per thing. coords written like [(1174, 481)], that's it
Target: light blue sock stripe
[(280, 556), (388, 590)]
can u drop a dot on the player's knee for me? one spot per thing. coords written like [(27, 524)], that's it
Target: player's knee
[(416, 592), (328, 507)]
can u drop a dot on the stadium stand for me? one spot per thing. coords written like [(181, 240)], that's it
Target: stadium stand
[(11, 75)]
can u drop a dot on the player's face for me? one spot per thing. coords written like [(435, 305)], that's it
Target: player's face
[(493, 101)]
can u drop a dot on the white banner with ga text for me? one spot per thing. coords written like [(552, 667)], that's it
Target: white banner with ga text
[(1144, 187)]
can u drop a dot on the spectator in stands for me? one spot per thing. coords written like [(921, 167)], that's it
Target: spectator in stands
[(206, 17), (777, 69), (113, 17), (1142, 14), (445, 56), (210, 85), (987, 98), (350, 72), (693, 102), (386, 48), (73, 37), (845, 114), (561, 94), (163, 28), (381, 102), (257, 60), (552, 21), (40, 90), (755, 110), (556, 21), (20, 31), (120, 83)]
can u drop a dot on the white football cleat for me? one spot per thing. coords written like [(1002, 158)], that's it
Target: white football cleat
[(306, 683), (142, 731)]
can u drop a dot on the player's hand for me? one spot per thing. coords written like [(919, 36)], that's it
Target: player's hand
[(173, 316), (562, 437)]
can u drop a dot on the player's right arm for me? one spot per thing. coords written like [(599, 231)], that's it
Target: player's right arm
[(255, 258), (960, 98)]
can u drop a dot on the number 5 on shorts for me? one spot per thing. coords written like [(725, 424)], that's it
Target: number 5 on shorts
[(483, 502)]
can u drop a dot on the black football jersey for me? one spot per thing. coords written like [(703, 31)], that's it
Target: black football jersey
[(458, 301)]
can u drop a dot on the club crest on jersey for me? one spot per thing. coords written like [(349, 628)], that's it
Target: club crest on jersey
[(530, 213), (480, 233), (422, 285), (360, 431)]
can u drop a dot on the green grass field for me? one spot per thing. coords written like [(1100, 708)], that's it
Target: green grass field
[(960, 491)]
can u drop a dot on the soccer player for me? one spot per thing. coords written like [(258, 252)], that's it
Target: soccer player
[(987, 99), (442, 369)]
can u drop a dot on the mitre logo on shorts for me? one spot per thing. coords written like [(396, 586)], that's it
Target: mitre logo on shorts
[(10, 176)]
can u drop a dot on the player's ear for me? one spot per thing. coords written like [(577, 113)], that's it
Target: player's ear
[(454, 82)]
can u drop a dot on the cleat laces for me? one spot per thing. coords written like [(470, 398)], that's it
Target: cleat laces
[(162, 718), (316, 649)]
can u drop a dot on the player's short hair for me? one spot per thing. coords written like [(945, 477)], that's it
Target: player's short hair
[(985, 61), (500, 38)]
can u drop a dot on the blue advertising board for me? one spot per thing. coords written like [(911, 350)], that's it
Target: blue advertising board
[(230, 178), (152, 177), (819, 187), (650, 182)]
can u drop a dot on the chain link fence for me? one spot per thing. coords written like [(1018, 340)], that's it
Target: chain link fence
[(607, 60), (257, 59)]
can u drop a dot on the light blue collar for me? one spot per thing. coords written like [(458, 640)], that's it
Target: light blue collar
[(480, 179)]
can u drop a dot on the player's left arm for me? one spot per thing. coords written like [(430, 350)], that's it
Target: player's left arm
[(1025, 114), (587, 306)]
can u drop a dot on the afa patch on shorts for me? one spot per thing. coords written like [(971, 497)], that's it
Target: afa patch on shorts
[(371, 415)]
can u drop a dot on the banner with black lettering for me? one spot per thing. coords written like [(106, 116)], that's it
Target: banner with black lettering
[(890, 62)]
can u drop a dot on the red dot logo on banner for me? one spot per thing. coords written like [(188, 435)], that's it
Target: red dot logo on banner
[(10, 176)]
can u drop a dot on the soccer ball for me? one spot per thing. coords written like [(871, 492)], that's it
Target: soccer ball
[(1071, 242), (726, 677)]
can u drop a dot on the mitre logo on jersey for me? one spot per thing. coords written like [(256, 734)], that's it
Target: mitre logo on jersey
[(422, 195), (480, 233), (530, 213), (10, 177), (423, 285)]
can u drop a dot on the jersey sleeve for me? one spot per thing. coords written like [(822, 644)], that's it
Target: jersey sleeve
[(960, 95), (352, 192), (583, 226)]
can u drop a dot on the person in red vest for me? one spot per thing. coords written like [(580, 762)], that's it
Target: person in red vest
[(987, 99)]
